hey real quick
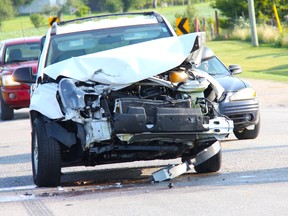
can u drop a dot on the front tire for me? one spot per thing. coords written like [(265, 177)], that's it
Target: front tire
[(46, 156), (248, 134), (213, 164), (7, 113)]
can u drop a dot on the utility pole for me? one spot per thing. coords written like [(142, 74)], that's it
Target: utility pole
[(253, 23)]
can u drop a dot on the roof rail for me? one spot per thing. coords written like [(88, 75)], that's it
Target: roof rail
[(148, 13)]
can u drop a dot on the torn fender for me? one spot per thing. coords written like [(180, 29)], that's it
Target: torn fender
[(44, 101)]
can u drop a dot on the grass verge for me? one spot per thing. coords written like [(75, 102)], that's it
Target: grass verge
[(257, 62)]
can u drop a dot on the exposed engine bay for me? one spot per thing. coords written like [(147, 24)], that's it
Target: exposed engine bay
[(165, 116)]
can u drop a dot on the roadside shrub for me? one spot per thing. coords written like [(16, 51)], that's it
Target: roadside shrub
[(38, 20), (240, 34), (190, 13), (284, 40), (224, 22), (266, 35), (82, 11)]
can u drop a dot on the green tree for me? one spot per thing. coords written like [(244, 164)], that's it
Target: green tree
[(117, 5), (78, 7), (128, 4), (282, 8), (190, 13), (38, 20), (97, 6), (82, 11), (113, 6), (77, 4), (6, 10), (18, 3), (233, 9)]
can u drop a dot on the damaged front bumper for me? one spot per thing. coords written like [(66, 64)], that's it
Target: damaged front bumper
[(146, 120)]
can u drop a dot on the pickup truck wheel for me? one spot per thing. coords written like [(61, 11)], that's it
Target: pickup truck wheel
[(7, 113), (213, 164), (246, 133), (46, 156)]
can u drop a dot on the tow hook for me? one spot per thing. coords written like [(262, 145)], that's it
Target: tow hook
[(175, 170)]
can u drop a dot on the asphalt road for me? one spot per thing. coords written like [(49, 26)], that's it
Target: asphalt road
[(253, 179)]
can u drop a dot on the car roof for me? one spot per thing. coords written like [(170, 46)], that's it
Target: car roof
[(106, 21), (21, 40)]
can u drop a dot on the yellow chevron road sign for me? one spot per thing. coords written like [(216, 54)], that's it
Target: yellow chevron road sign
[(182, 26)]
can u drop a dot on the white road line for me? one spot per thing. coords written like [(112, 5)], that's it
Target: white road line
[(27, 187)]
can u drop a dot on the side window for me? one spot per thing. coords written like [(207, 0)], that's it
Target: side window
[(1, 53), (6, 54), (42, 41)]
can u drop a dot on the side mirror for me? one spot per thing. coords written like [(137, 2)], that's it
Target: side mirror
[(24, 75), (235, 69)]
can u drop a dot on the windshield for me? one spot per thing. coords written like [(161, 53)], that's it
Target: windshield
[(22, 52), (213, 66), (65, 46)]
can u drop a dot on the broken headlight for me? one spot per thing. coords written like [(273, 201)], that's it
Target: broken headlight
[(71, 96)]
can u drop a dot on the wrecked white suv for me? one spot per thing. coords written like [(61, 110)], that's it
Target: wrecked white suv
[(118, 88)]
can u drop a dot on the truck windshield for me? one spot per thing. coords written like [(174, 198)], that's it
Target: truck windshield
[(214, 67), (22, 52), (65, 46)]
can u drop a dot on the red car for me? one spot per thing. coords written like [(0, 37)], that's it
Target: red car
[(16, 53)]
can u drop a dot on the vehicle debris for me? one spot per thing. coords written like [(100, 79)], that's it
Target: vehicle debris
[(173, 171)]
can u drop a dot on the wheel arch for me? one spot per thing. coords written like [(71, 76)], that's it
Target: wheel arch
[(55, 130)]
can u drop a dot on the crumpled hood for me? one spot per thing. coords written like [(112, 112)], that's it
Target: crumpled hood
[(133, 63)]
